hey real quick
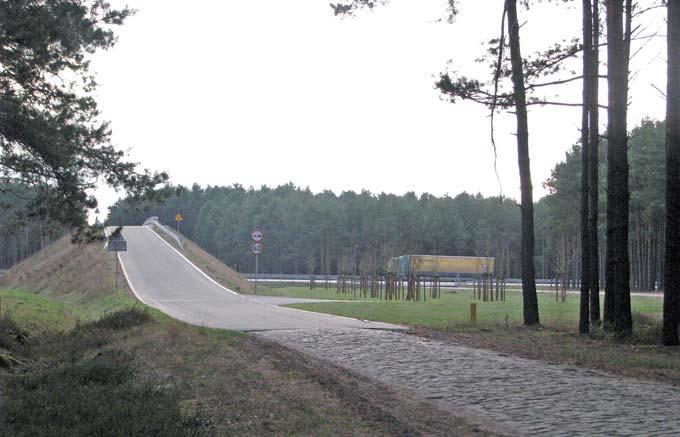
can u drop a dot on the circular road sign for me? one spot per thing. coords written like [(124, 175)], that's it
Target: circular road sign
[(257, 235), (257, 248)]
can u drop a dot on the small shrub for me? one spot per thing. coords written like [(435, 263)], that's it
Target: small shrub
[(118, 320), (644, 320), (646, 328), (12, 337), (102, 395)]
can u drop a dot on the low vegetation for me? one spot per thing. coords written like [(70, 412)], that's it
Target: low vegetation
[(79, 383), (452, 311), (305, 292)]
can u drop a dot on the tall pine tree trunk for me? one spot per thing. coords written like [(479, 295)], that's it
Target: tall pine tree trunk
[(584, 313), (671, 295), (594, 193), (617, 293), (530, 299)]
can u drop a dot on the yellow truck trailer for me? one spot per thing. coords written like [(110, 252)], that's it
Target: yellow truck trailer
[(440, 264)]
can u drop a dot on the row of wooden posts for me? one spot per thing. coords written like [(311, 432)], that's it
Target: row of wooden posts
[(559, 284), (484, 288), (385, 287)]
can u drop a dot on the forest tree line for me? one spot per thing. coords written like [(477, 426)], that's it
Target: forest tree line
[(325, 233), (22, 233)]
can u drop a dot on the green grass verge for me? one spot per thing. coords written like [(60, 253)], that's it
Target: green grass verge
[(453, 310), (59, 312), (318, 293)]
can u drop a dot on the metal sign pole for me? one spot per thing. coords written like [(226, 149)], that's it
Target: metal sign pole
[(116, 255), (256, 248), (116, 245), (179, 219)]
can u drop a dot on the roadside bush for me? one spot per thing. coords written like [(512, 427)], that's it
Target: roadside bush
[(107, 367), (102, 395), (118, 320), (647, 329), (12, 336)]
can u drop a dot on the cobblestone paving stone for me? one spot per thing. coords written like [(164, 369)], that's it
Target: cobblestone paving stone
[(521, 396)]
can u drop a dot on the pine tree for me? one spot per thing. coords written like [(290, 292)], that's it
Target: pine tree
[(617, 292), (671, 301), (50, 135)]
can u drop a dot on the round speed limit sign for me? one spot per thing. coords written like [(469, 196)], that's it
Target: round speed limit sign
[(257, 248)]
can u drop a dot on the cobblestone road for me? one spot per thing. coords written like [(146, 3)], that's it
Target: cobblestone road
[(521, 396)]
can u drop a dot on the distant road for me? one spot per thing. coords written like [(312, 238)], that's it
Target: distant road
[(162, 278)]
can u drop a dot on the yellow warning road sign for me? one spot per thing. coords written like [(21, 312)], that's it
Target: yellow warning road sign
[(178, 217)]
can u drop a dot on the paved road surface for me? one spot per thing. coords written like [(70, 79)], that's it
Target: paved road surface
[(521, 396), (163, 279)]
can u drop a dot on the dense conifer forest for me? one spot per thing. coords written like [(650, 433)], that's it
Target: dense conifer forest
[(21, 233), (327, 233)]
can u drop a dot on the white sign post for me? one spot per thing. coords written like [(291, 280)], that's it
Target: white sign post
[(256, 248)]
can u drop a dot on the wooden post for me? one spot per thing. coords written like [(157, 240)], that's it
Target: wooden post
[(473, 312)]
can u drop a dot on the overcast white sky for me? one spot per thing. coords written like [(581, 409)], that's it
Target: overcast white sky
[(269, 91)]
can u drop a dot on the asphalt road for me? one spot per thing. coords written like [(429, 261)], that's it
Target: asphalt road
[(162, 278)]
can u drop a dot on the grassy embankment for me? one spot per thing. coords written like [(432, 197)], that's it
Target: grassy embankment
[(77, 359)]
